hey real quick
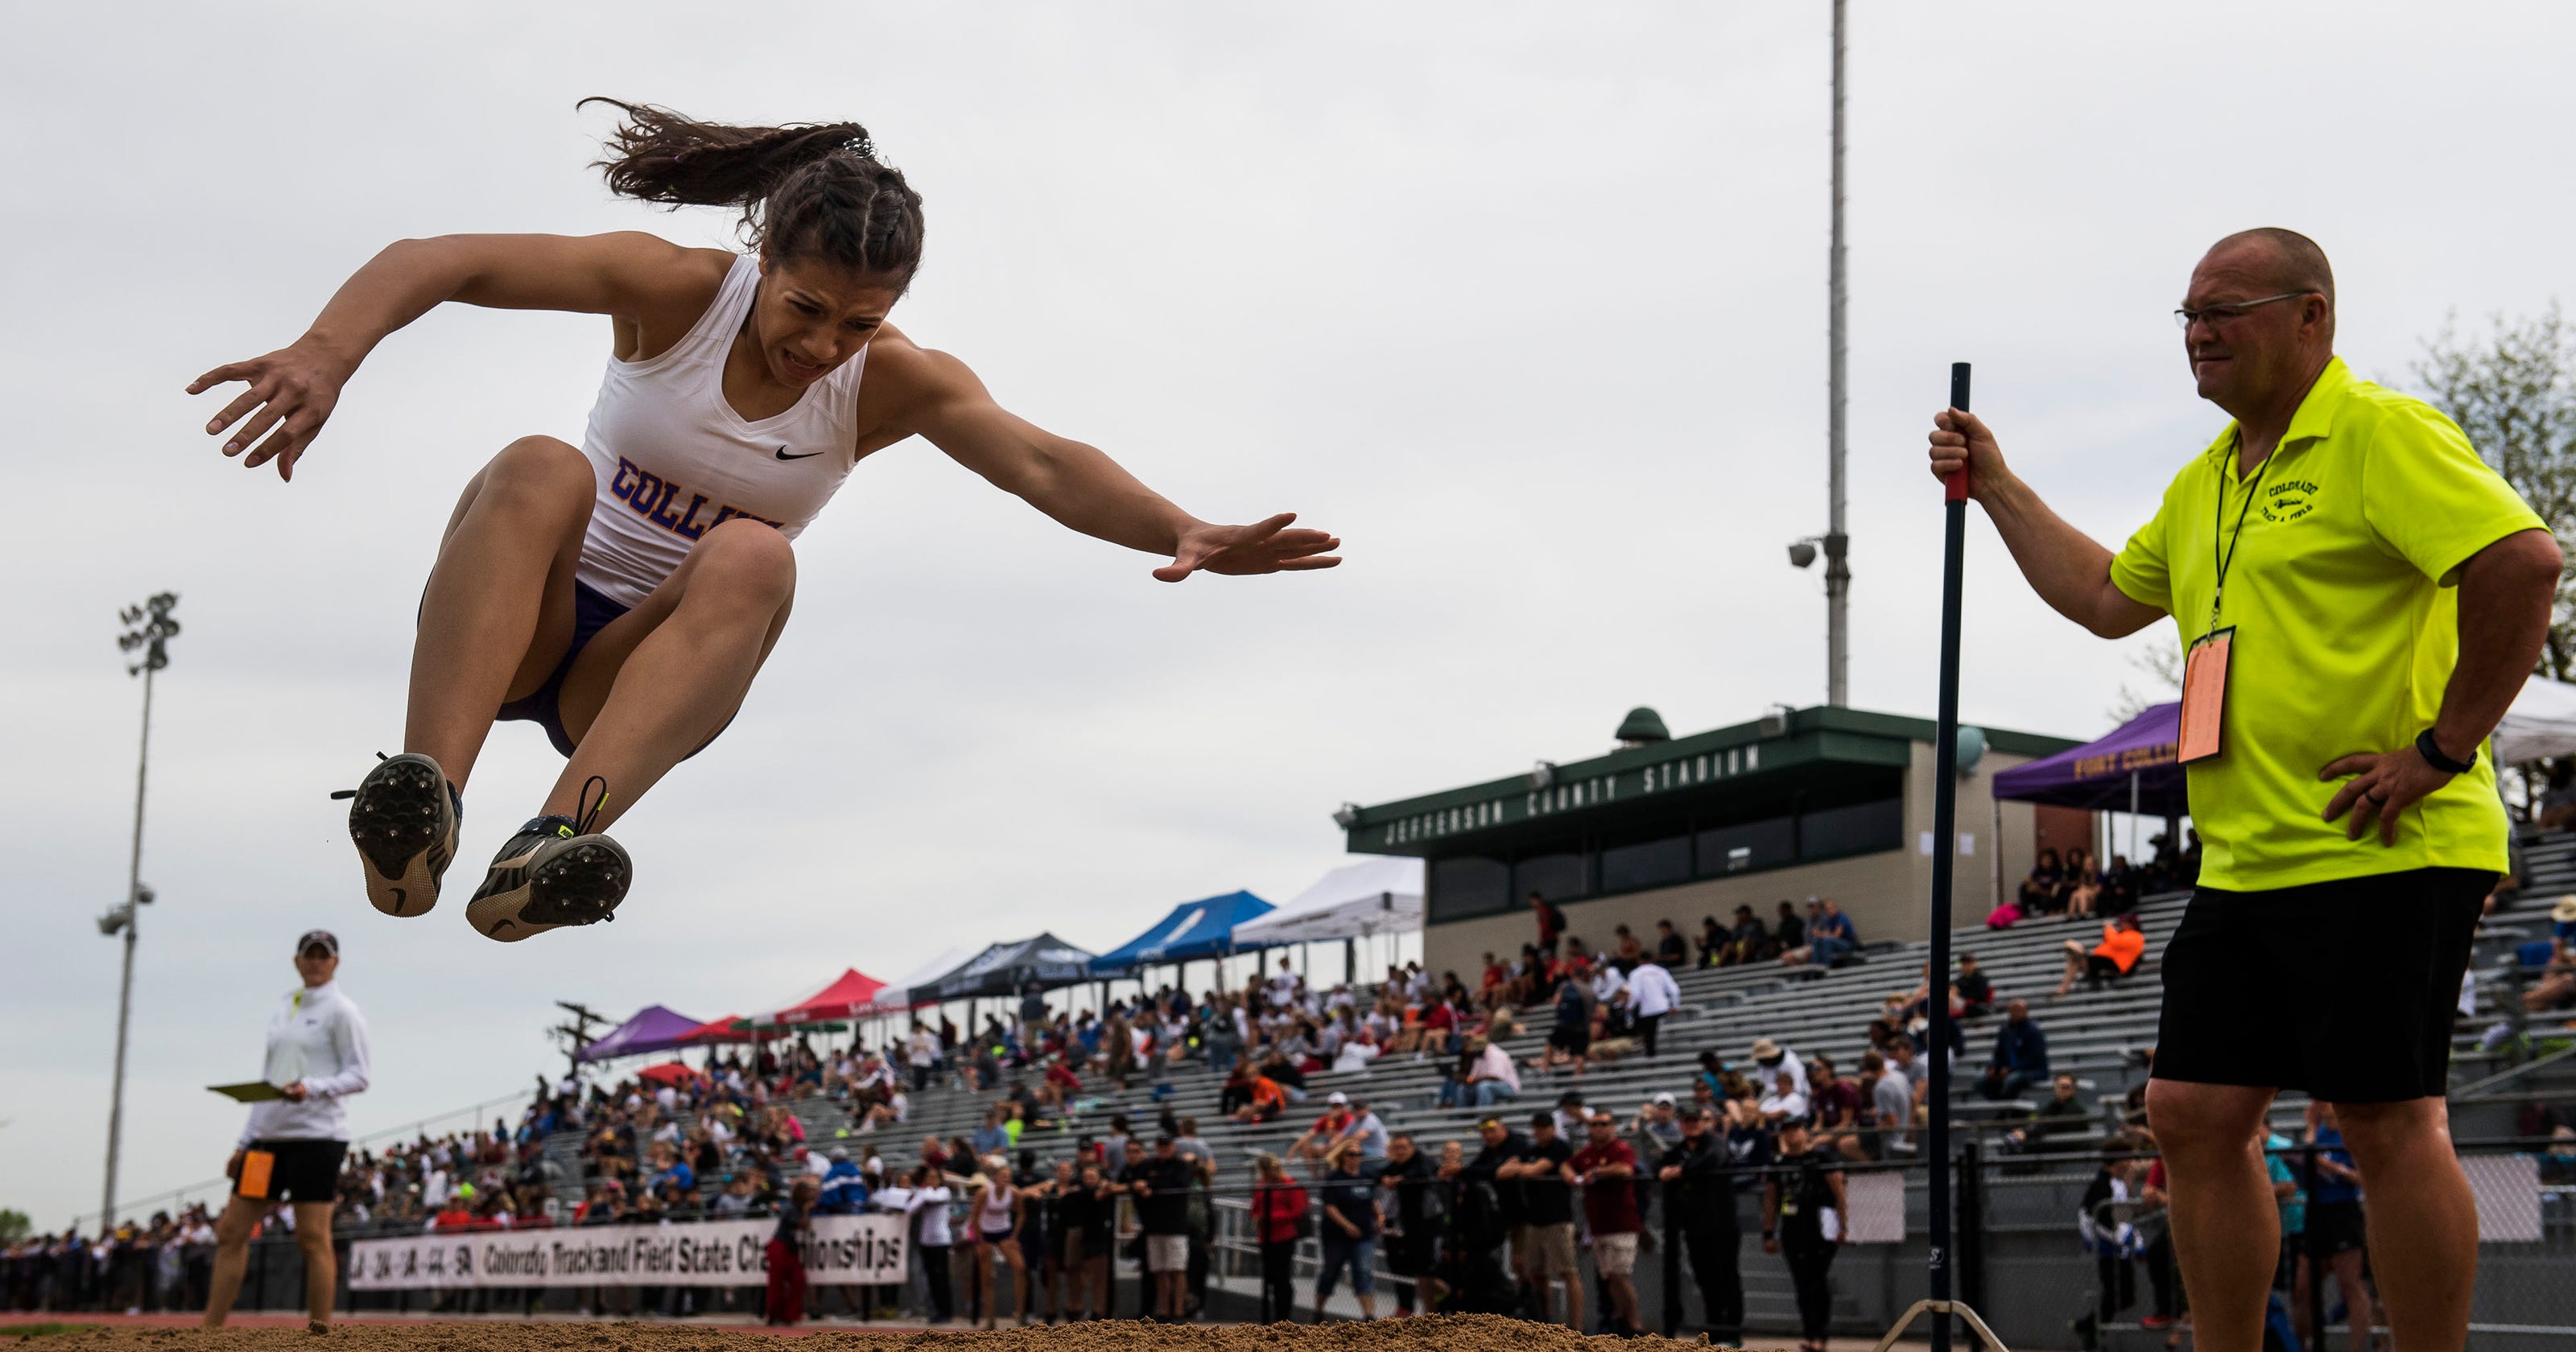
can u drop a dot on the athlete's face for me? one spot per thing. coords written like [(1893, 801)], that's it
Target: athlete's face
[(811, 316)]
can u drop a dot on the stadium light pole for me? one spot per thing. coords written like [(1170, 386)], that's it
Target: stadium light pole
[(1836, 543), (149, 629)]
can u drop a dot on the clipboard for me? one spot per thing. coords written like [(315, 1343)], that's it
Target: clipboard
[(255, 1091)]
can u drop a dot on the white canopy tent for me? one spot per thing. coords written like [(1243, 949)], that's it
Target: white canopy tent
[(2541, 723), (896, 996), (1377, 896)]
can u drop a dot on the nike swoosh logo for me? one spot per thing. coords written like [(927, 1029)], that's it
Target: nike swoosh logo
[(783, 455)]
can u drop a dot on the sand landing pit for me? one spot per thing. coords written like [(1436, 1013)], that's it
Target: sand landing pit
[(1467, 1333)]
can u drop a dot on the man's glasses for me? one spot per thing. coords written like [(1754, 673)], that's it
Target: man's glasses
[(2222, 313)]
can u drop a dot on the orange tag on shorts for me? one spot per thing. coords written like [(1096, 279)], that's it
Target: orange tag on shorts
[(2204, 696), (256, 1165)]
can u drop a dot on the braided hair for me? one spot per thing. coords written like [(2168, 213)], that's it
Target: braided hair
[(805, 190)]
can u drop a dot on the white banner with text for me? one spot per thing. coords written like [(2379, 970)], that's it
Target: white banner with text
[(844, 1251)]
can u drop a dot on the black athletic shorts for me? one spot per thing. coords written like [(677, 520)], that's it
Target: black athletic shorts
[(2345, 989), (1571, 1041), (298, 1171), (2336, 1226)]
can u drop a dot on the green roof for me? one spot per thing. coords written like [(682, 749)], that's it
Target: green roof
[(1817, 743)]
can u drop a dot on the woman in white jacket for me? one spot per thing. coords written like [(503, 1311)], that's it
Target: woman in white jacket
[(291, 1148)]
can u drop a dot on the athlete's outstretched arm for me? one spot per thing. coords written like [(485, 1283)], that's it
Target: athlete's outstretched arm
[(293, 390), (1083, 488)]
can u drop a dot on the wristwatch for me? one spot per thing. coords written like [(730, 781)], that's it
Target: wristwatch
[(2439, 759)]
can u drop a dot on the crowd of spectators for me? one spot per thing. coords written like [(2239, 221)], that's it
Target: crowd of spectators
[(140, 1267)]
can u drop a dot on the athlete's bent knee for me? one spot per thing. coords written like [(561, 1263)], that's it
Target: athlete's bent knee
[(543, 468), (745, 558)]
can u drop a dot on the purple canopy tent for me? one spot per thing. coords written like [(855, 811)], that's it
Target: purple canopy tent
[(653, 1029), (2132, 770)]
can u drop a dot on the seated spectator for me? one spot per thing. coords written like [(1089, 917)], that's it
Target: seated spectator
[(1887, 1078), (2549, 965), (1626, 949), (2558, 801), (457, 1213), (1787, 932), (1748, 941), (1491, 1078), (2020, 1058), (1830, 937), (1784, 1103), (2558, 1163), (1059, 1086), (1262, 1099), (1712, 1072), (2121, 885), (2045, 887), (1571, 1035), (2083, 883), (1442, 1024), (1328, 1129), (1970, 988), (993, 1137), (1285, 1072), (1771, 1058), (2063, 1114), (896, 1107), (1672, 952), (1835, 1105), (1713, 941), (2123, 943)]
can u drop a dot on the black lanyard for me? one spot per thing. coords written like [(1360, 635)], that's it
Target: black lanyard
[(2218, 519)]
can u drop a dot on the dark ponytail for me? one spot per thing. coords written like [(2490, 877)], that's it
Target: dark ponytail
[(805, 191)]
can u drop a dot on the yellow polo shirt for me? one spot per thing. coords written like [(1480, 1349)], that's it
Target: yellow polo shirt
[(2347, 627)]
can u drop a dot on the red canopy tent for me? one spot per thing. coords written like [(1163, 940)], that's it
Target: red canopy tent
[(718, 1030), (669, 1072), (845, 997)]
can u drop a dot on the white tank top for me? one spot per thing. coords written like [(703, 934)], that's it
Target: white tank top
[(995, 1216), (673, 458)]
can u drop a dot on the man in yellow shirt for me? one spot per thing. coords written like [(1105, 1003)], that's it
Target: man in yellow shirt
[(2362, 598)]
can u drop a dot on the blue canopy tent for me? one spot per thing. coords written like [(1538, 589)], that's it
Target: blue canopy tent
[(1194, 929)]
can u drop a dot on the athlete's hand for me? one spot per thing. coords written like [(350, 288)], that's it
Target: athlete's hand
[(292, 392), (1269, 547), (2383, 787), (233, 1166), (1960, 441), (294, 1093)]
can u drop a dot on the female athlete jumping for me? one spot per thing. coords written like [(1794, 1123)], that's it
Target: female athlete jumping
[(621, 593)]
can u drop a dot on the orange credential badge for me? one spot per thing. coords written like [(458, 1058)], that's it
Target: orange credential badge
[(2204, 696), (256, 1165)]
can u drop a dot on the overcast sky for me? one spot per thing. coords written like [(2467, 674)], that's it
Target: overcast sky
[(1527, 302)]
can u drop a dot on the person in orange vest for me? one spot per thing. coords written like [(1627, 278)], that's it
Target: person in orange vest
[(2123, 943)]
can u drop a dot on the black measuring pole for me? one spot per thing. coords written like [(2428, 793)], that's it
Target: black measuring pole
[(1945, 825)]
